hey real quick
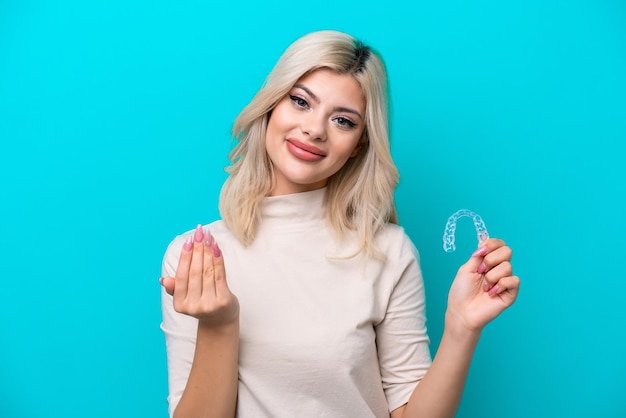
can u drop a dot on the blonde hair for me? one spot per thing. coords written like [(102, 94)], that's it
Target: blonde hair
[(359, 197)]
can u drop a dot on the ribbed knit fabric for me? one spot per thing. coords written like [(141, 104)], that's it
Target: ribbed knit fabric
[(319, 336)]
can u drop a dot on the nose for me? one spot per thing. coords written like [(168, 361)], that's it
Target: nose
[(314, 126)]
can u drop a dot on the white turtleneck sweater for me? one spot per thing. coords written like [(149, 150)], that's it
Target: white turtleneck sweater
[(319, 337)]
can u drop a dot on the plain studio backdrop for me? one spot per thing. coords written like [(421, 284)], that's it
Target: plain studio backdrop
[(115, 122)]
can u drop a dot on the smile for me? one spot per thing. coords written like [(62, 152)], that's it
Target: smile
[(304, 151)]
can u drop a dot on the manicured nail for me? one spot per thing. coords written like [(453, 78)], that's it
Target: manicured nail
[(493, 290), (188, 243), (480, 251), (216, 250), (198, 235), (481, 268), (209, 238)]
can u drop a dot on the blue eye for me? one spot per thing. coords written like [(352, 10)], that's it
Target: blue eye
[(299, 101)]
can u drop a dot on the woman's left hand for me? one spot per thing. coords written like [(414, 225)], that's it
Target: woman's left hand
[(484, 286)]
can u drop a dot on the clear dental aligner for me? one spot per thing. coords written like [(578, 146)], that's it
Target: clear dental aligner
[(448, 233)]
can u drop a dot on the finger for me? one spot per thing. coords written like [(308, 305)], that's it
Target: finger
[(208, 278), (494, 257), (474, 264), (221, 286), (507, 286), (499, 255), (496, 273), (488, 246), (168, 284), (181, 278), (196, 268)]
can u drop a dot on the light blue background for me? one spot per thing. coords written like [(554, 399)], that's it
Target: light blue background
[(114, 129)]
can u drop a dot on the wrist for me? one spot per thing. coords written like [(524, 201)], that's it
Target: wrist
[(223, 329), (458, 328)]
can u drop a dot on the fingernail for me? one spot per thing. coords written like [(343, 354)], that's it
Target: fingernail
[(481, 268), (493, 290), (486, 286), (198, 235), (188, 243), (480, 251), (209, 238), (216, 250)]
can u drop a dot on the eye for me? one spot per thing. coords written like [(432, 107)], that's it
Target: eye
[(345, 122), (299, 101)]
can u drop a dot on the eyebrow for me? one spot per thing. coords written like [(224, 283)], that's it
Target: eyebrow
[(317, 100)]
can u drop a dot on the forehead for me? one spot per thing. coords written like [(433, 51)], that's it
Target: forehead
[(334, 88)]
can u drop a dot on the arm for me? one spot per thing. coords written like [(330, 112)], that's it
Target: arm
[(211, 390), (439, 392), (200, 292), (483, 288)]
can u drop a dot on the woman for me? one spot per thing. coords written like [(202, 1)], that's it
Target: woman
[(307, 299)]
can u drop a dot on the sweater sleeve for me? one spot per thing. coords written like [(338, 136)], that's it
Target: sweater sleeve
[(401, 337), (180, 331)]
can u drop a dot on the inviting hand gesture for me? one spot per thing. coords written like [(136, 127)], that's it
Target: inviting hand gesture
[(484, 286), (199, 287)]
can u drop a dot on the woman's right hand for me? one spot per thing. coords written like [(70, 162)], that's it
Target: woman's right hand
[(199, 287)]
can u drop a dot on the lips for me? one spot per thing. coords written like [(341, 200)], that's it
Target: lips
[(304, 151)]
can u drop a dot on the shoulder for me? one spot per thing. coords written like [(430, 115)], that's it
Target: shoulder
[(395, 243)]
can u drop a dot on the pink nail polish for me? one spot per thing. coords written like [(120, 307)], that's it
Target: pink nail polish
[(188, 243), (481, 268), (480, 251), (216, 250), (209, 238), (198, 235), (493, 290)]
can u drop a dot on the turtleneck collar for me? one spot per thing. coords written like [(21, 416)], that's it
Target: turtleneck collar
[(294, 208)]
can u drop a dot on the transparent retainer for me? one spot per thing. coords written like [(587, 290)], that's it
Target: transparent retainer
[(448, 233)]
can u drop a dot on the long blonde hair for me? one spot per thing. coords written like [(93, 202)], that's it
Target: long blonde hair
[(359, 197)]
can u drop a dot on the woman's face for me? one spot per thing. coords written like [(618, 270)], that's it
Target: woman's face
[(313, 130)]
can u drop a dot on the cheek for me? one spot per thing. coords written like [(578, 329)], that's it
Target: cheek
[(354, 144), (279, 118), (355, 150), (274, 132)]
